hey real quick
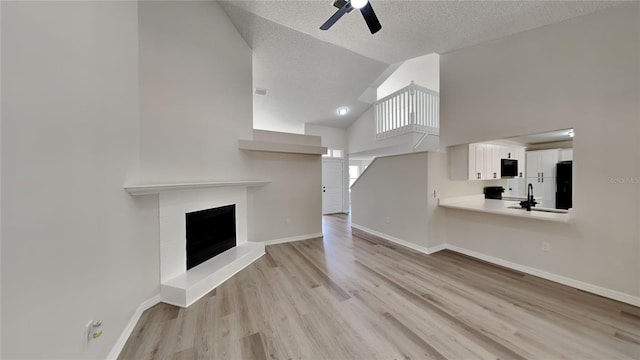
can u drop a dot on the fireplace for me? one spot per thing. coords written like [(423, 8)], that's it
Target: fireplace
[(209, 233), (179, 210)]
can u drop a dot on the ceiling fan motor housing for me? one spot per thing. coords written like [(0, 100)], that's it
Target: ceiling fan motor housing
[(339, 3)]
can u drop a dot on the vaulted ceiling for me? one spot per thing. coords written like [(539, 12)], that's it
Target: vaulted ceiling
[(309, 73)]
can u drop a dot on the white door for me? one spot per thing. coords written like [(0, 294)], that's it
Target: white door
[(332, 180)]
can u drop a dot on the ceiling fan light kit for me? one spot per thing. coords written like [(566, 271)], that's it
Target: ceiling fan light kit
[(346, 6), (359, 4)]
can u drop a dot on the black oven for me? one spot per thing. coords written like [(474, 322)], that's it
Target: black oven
[(508, 168)]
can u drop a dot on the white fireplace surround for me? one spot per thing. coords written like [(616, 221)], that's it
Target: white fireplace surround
[(177, 285)]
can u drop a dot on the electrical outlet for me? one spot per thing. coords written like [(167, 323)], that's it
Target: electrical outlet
[(545, 246), (93, 330)]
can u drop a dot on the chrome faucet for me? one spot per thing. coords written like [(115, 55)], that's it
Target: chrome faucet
[(527, 204)]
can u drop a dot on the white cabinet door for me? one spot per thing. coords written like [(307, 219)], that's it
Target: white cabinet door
[(533, 169), (477, 166), (493, 154), (522, 160), (548, 187), (544, 191), (542, 163), (541, 168), (548, 160)]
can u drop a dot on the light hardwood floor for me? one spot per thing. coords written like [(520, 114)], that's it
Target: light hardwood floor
[(355, 296)]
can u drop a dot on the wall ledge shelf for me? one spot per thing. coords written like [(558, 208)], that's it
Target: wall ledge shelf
[(147, 189), (267, 146)]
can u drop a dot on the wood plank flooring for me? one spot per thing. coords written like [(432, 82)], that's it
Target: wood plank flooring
[(355, 296)]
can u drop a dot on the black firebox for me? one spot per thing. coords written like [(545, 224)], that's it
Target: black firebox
[(209, 233)]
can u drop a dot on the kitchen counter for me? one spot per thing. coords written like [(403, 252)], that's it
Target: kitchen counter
[(502, 207)]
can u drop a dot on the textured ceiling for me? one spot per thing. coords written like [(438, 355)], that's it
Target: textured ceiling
[(307, 80), (310, 72)]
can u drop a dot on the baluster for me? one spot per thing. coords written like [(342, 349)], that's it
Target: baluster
[(401, 115), (422, 108), (436, 123), (433, 110)]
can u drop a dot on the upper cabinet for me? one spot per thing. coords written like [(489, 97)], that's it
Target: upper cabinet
[(482, 161), (542, 164)]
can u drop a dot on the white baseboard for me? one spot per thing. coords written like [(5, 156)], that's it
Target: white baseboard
[(608, 293), (594, 289), (422, 249), (124, 336), (292, 238)]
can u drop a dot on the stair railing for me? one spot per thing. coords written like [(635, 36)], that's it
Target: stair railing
[(411, 109)]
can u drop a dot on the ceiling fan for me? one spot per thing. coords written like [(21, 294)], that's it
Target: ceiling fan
[(346, 6)]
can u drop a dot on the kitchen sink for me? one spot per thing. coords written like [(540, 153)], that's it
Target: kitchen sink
[(555, 211)]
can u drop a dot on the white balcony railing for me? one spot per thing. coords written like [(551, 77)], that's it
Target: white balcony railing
[(411, 109)]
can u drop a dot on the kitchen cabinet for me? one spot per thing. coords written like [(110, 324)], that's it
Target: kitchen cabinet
[(541, 166), (467, 162), (481, 161), (462, 162), (542, 163)]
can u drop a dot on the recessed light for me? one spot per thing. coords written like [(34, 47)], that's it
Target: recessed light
[(343, 111)]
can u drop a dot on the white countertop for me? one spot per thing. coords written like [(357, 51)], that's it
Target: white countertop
[(501, 207)]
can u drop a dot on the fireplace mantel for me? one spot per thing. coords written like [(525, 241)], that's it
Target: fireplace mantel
[(147, 189)]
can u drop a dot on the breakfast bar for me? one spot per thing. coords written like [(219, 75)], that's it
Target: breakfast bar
[(478, 203)]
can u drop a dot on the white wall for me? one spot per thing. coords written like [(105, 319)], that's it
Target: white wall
[(583, 74), (195, 93), (291, 205), (196, 103), (334, 138), (392, 198), (423, 70), (0, 193), (331, 137), (96, 95), (76, 246), (361, 134)]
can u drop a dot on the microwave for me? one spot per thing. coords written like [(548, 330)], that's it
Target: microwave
[(508, 168)]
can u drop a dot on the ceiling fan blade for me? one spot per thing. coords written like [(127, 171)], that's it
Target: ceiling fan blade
[(371, 18), (335, 17)]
